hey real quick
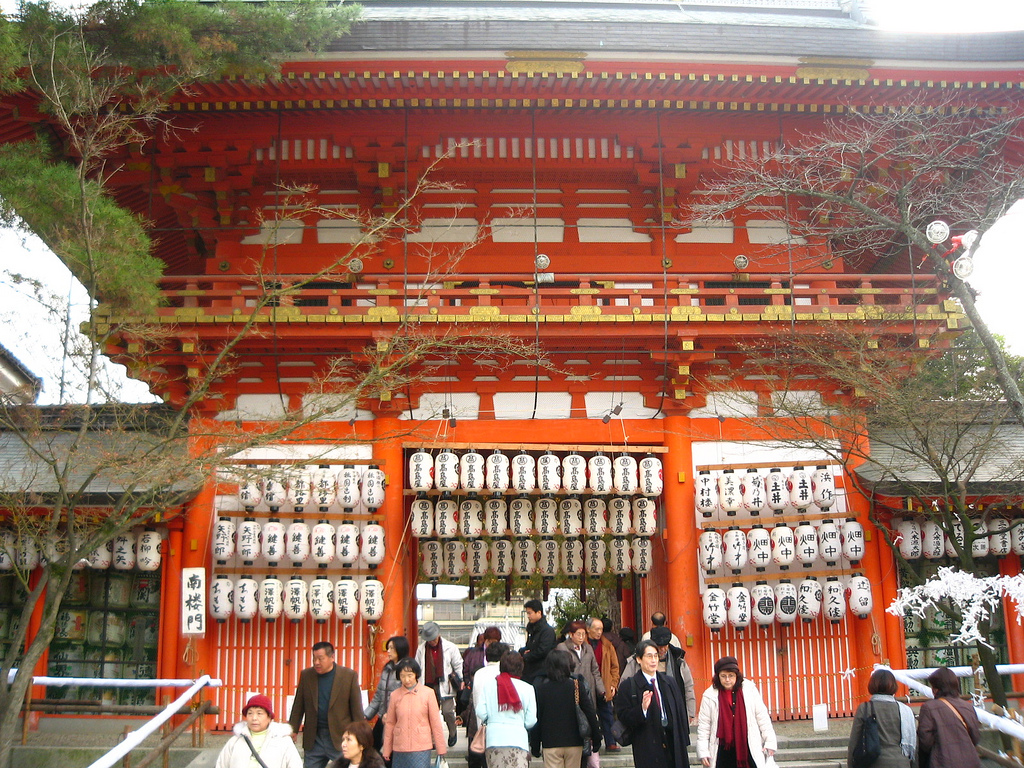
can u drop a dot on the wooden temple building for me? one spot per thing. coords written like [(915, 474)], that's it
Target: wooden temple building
[(562, 138)]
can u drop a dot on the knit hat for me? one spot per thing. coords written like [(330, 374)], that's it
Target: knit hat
[(661, 636), (727, 663), (259, 700), (430, 631)]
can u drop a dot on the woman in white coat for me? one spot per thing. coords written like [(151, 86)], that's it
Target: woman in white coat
[(734, 729), (259, 734)]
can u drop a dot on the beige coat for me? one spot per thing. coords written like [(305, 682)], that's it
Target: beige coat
[(760, 733)]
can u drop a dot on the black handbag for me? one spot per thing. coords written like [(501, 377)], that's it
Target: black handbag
[(621, 733), (869, 745), (582, 723)]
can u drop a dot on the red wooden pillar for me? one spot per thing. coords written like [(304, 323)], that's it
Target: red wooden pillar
[(1010, 566)]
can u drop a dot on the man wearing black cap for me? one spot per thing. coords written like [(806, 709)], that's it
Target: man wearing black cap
[(671, 661), (441, 663)]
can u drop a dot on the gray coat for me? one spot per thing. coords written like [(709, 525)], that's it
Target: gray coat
[(388, 682), (585, 665), (888, 715)]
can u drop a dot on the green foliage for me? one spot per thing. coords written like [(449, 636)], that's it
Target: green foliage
[(105, 246), (10, 55), (964, 372), (568, 608)]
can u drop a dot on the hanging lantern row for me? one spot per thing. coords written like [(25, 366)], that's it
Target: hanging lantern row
[(926, 538), (320, 487), (760, 547), (785, 602), (522, 516), (125, 552), (298, 542), (472, 472), (271, 599), (753, 492), (452, 559)]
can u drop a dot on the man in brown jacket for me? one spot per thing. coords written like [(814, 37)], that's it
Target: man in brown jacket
[(608, 662), (328, 697)]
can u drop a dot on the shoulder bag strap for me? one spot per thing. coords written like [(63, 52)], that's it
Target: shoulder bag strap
[(252, 747), (956, 712)]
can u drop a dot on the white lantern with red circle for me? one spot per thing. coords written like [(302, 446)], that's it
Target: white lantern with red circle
[(471, 518), (454, 559), (729, 496), (783, 545), (908, 535), (122, 552), (645, 518), (572, 557), (373, 548), (374, 488), (271, 599), (346, 600), (296, 603), (223, 540), (421, 517), (520, 512), (471, 471), (709, 546), (446, 517), (371, 601), (714, 611), (349, 492), (299, 489), (100, 558), (860, 596), (421, 471), (524, 552), (823, 487), (248, 538), (642, 556), (574, 473), (933, 540), (762, 604), (495, 516), (834, 599), (524, 472), (999, 536), (250, 492), (776, 493), (652, 480), (619, 515), (246, 598), (431, 561), (734, 549), (619, 556), (321, 543), (298, 538), (570, 513), (502, 557), (852, 534), (347, 544), (785, 602), (806, 544), (625, 474), (321, 600), (477, 552), (980, 546), (273, 541), (221, 589), (830, 543), (546, 516), (599, 469), (706, 494), (497, 472), (799, 486), (446, 471), (752, 492), (808, 599), (549, 473), (595, 516), (324, 484), (548, 557), (147, 548), (759, 547), (275, 490), (737, 601), (595, 554)]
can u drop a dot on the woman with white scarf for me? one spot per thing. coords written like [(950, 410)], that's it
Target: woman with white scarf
[(896, 728)]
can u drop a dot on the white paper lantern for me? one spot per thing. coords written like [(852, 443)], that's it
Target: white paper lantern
[(549, 473), (498, 467), (619, 517), (321, 543), (495, 516), (248, 538), (709, 545), (652, 480), (123, 552), (549, 557), (734, 549), (520, 512), (223, 540), (221, 589), (572, 557), (908, 531), (372, 549), (645, 519), (250, 492), (762, 604), (502, 557), (100, 559), (421, 471), (446, 471), (147, 546), (275, 490), (834, 600), (729, 496), (7, 551), (830, 543), (246, 598), (852, 534), (476, 558), (599, 468), (271, 599), (799, 486), (546, 516), (776, 493), (471, 518), (296, 604), (958, 535), (714, 610), (860, 597), (759, 547), (570, 514), (371, 601), (979, 547), (808, 599), (321, 600), (933, 540), (596, 556), (471, 471), (349, 492), (347, 544), (752, 492), (298, 539), (625, 474), (446, 517), (806, 544), (300, 488), (525, 554), (620, 561), (595, 516), (574, 473), (454, 558), (273, 541), (999, 536), (346, 599), (783, 545), (324, 484), (431, 560), (823, 487), (785, 602), (524, 472), (641, 547), (706, 494), (374, 487), (737, 600), (421, 517)]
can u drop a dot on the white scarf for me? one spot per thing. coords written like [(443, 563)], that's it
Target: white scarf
[(908, 730)]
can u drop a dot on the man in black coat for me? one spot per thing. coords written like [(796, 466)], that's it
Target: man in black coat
[(540, 640), (650, 705)]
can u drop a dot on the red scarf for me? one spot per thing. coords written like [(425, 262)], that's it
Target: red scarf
[(433, 660), (732, 724), (508, 696)]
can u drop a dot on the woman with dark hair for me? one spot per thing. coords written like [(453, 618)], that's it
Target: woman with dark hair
[(397, 648), (734, 729), (357, 749), (412, 724), (508, 707), (895, 724), (557, 735), (584, 661), (948, 730)]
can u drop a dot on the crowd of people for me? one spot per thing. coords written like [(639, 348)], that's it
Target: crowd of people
[(560, 701)]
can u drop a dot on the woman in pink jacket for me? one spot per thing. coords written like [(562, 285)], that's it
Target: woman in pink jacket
[(412, 724)]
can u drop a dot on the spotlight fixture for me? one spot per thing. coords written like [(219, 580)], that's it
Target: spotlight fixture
[(937, 232), (541, 261)]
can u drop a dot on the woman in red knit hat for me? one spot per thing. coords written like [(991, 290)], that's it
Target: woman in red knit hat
[(259, 742)]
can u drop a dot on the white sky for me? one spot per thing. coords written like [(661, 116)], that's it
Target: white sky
[(999, 269)]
